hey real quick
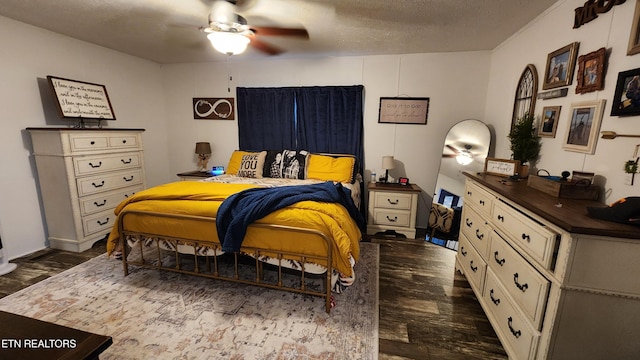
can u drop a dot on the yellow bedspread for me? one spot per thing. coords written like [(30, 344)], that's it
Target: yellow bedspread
[(204, 199)]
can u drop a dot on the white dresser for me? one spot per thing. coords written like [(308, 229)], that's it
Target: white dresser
[(83, 175), (554, 283), (393, 207)]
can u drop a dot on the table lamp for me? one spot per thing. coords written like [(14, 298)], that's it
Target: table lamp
[(203, 149), (387, 163)]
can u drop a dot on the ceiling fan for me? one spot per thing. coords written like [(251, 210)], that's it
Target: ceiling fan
[(462, 156), (230, 33)]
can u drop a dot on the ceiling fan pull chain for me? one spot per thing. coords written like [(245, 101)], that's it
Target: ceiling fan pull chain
[(229, 77)]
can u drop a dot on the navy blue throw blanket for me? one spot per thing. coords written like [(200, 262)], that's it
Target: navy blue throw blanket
[(239, 210)]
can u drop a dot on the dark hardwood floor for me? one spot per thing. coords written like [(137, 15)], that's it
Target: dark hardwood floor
[(427, 310)]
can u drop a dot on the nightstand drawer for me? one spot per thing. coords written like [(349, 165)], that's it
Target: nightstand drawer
[(392, 200), (392, 217), (87, 165)]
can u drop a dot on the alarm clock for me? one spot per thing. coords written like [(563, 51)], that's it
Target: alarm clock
[(403, 181)]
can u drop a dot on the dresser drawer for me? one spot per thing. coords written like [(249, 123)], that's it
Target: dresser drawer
[(478, 198), (106, 182), (515, 332), (472, 264), (123, 141), (526, 286), (87, 165), (106, 201), (476, 229), (96, 223), (83, 142), (536, 239), (392, 200), (391, 217)]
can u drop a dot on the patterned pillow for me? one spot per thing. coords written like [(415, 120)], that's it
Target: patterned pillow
[(251, 165), (286, 164)]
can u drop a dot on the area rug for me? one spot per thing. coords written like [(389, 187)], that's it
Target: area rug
[(155, 314)]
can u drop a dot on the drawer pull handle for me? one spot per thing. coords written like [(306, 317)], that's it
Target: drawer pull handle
[(464, 253), (526, 237), (469, 193), (522, 287), (501, 218), (514, 332), (125, 161), (495, 301), (103, 223), (98, 185), (499, 261), (95, 166), (468, 222), (127, 180), (395, 218), (126, 196), (393, 202), (482, 202), (104, 202), (478, 235), (124, 141), (474, 269), (92, 142)]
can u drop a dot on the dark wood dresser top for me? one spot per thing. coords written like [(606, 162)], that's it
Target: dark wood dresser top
[(572, 216)]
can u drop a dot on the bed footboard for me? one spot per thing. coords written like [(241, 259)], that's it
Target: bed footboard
[(150, 251)]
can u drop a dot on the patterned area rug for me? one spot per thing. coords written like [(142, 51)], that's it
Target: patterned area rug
[(161, 315)]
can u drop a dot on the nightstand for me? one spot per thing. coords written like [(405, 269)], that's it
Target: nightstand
[(194, 175), (393, 208)]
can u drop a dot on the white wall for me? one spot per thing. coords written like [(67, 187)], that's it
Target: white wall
[(549, 32), (454, 82), (28, 55)]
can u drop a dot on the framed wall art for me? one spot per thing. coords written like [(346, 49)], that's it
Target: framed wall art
[(634, 37), (213, 109), (626, 98), (394, 110), (549, 121), (591, 69), (81, 99), (583, 126), (560, 66)]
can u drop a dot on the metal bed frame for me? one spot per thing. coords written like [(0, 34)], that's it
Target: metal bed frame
[(211, 269)]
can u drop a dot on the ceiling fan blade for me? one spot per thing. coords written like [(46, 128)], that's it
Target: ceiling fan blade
[(448, 155), (278, 31), (264, 47), (452, 149)]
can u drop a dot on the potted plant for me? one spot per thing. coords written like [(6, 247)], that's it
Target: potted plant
[(525, 142)]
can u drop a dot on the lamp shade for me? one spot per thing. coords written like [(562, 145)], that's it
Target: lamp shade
[(203, 148), (387, 162), (230, 43)]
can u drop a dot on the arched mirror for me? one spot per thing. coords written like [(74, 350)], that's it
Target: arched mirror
[(466, 148)]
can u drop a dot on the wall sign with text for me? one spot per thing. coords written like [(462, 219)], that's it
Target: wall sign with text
[(394, 110), (213, 108)]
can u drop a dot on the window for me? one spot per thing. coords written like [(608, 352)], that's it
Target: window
[(525, 99)]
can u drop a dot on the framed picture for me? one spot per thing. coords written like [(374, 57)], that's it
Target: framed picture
[(549, 121), (395, 110), (634, 37), (213, 109), (583, 126), (626, 99), (501, 167), (591, 69), (560, 66), (81, 99)]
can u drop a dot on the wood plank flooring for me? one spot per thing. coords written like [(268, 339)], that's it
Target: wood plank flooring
[(427, 310)]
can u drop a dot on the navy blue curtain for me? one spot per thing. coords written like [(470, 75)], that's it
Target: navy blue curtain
[(330, 119), (266, 118)]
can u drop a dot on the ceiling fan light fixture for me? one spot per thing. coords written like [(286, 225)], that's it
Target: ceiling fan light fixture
[(464, 158), (228, 43)]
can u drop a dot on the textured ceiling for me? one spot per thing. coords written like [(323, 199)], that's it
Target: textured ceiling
[(166, 31)]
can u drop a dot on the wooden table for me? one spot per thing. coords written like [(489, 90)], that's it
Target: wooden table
[(26, 338)]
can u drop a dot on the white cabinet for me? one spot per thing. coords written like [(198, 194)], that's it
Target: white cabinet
[(393, 207), (554, 283), (83, 174)]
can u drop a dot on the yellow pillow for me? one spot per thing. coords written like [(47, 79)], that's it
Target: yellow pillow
[(246, 163), (329, 168)]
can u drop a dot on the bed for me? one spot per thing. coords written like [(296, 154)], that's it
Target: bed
[(275, 220)]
